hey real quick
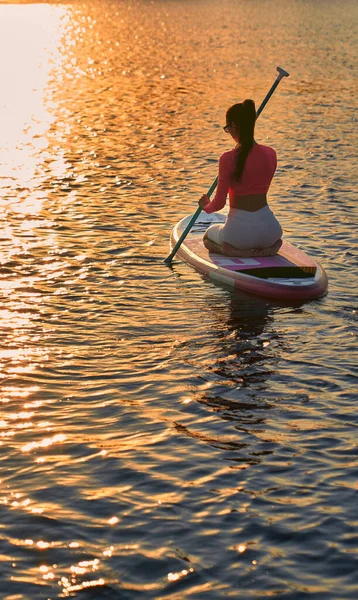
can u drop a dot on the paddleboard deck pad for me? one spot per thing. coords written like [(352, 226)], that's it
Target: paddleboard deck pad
[(290, 274)]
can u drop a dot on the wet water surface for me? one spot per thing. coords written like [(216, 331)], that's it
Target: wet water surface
[(163, 437)]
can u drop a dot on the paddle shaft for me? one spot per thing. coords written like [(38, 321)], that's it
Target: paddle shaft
[(169, 259)]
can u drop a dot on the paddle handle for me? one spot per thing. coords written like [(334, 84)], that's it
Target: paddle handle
[(281, 73)]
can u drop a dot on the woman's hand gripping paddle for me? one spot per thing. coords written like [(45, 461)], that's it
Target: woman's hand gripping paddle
[(168, 260)]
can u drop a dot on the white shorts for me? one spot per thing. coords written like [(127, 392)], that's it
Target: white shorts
[(245, 230)]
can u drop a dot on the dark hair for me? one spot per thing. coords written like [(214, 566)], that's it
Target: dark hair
[(243, 115)]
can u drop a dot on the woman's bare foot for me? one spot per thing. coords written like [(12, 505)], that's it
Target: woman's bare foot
[(212, 246), (271, 251), (228, 250)]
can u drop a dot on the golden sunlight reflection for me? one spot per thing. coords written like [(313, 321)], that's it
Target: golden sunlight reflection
[(14, 320), (14, 391), (30, 37), (68, 587), (180, 574), (21, 415), (45, 443), (83, 568), (108, 552), (43, 545)]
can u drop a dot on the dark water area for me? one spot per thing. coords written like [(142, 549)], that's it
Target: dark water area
[(161, 436)]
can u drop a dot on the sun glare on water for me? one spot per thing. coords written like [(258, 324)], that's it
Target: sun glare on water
[(30, 38)]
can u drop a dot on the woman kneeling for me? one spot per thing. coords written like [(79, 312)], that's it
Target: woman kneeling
[(250, 229)]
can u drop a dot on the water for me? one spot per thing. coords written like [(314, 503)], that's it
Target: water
[(163, 437)]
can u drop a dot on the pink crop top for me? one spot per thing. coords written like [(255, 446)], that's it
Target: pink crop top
[(259, 170)]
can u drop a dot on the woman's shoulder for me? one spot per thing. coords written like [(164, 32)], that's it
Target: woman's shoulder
[(266, 149), (228, 157)]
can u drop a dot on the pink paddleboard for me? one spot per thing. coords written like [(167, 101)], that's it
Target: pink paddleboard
[(289, 275)]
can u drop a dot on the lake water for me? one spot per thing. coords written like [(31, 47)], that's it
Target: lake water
[(161, 436)]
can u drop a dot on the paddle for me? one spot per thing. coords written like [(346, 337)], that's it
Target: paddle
[(168, 260)]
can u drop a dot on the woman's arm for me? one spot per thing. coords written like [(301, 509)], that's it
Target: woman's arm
[(219, 200)]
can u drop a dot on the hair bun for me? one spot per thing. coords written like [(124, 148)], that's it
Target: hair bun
[(248, 105)]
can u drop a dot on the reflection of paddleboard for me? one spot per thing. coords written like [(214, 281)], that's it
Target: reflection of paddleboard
[(288, 275)]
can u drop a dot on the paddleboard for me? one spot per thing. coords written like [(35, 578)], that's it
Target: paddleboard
[(289, 275)]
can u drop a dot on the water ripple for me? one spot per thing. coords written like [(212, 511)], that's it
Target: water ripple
[(163, 437)]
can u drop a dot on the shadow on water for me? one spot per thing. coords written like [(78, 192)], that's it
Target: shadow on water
[(237, 377)]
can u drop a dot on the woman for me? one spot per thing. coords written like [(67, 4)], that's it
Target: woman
[(245, 173)]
